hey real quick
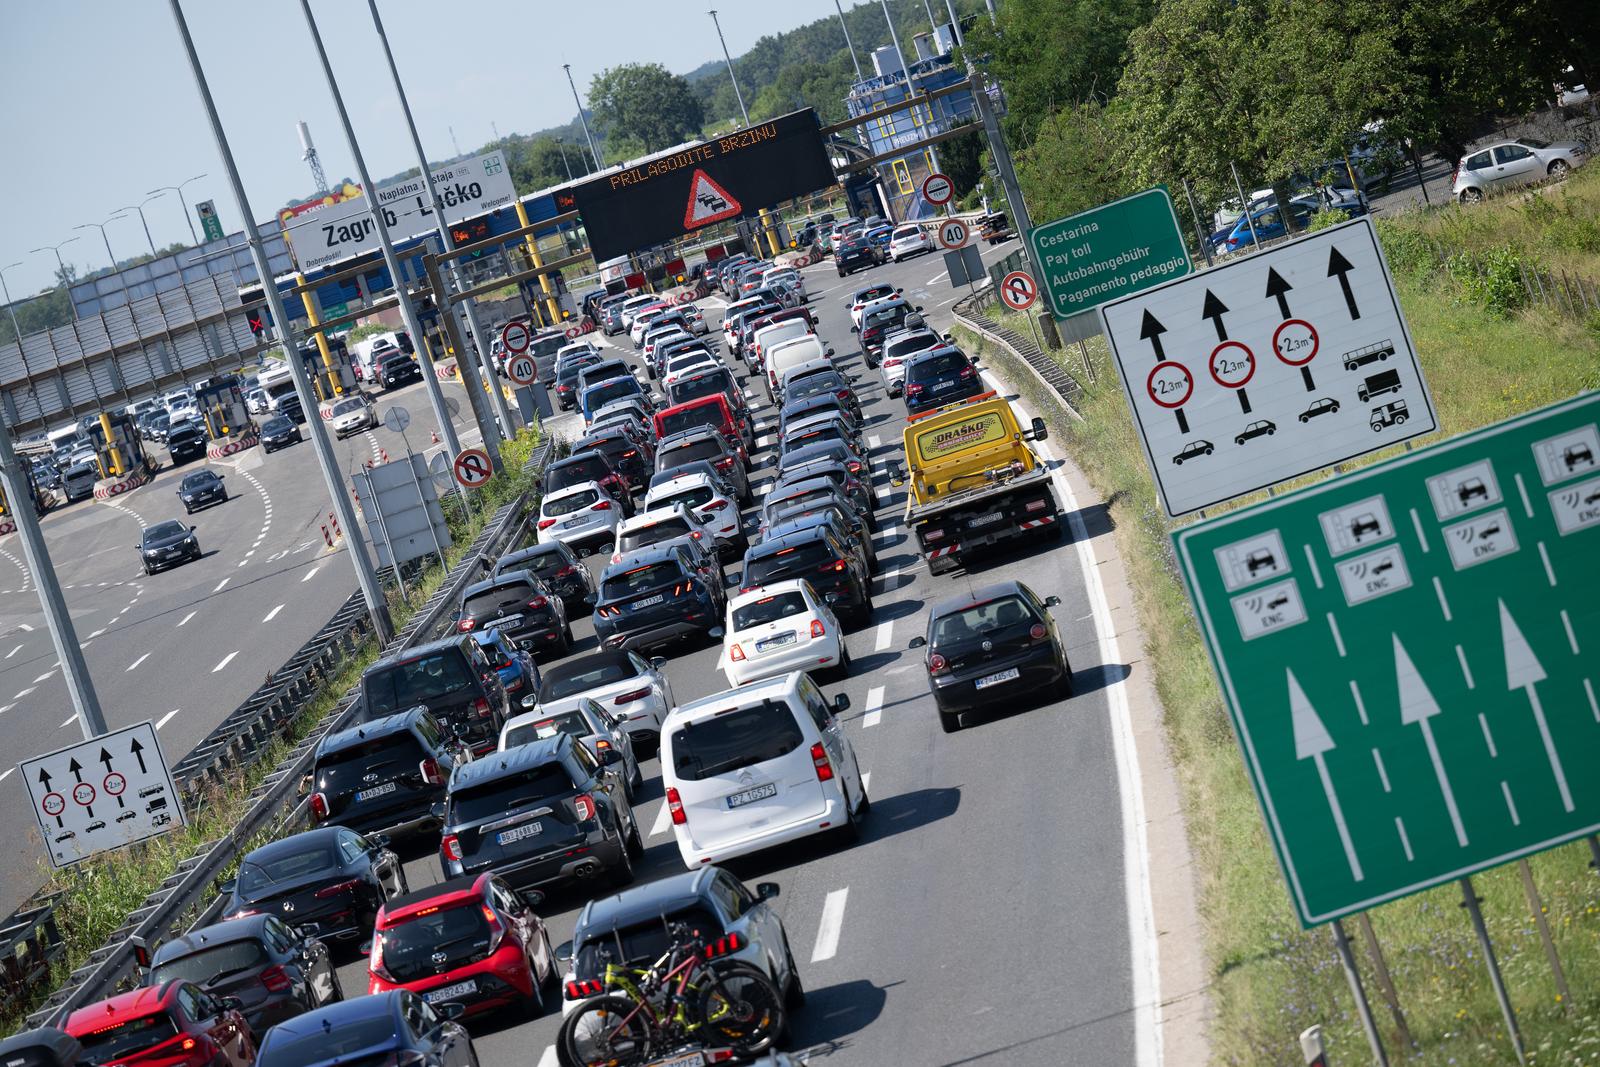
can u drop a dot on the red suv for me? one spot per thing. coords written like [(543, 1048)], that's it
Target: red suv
[(175, 1024), (472, 940)]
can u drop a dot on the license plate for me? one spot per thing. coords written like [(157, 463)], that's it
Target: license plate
[(376, 791), (996, 679), (526, 830), (760, 792), (450, 992), (685, 1059), (650, 601), (775, 641), (984, 520), (507, 622)]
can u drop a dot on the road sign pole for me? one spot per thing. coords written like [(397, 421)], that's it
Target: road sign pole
[(1364, 1009), (1200, 232), (1244, 204), (475, 397), (1469, 900), (1008, 174), (377, 606), (1530, 889), (1594, 852), (1380, 970)]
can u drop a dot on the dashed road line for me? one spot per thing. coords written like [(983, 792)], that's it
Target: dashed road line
[(273, 614), (70, 720), (45, 677), (885, 635), (827, 944), (187, 617), (220, 584), (874, 711), (135, 663), (6, 775), (24, 692), (663, 821), (13, 652), (225, 661), (310, 574), (166, 718)]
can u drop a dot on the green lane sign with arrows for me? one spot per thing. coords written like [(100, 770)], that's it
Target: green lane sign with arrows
[(1410, 655)]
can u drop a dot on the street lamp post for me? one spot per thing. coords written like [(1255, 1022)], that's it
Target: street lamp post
[(101, 226), (737, 95), (193, 238), (848, 44), (143, 221), (585, 122), (16, 331), (61, 265)]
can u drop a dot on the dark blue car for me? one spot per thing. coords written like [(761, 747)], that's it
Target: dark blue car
[(393, 1027), (516, 668)]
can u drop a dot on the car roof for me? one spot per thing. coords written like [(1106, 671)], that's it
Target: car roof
[(512, 761), (573, 490), (459, 890), (782, 685), (685, 481), (506, 577), (222, 933), (331, 1017), (981, 594), (641, 903), (788, 585), (772, 545), (297, 843), (567, 668), (367, 731), (415, 652), (122, 1006)]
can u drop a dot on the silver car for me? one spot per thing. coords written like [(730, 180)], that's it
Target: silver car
[(629, 687), (579, 515), (585, 719), (1512, 163)]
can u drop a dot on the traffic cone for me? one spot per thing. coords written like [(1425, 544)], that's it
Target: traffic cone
[(435, 436)]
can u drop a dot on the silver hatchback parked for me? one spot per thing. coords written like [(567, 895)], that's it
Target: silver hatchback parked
[(1512, 163)]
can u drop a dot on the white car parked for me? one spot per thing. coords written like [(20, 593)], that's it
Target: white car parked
[(907, 241), (582, 514), (352, 415), (757, 767), (1513, 163), (706, 501), (780, 628)]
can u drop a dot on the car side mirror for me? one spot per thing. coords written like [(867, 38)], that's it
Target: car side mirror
[(378, 840), (610, 757), (855, 329), (191, 529), (459, 730), (531, 897), (1052, 601), (436, 809), (716, 632), (830, 599), (226, 888), (658, 662), (841, 703), (919, 307), (230, 1004), (1041, 432), (565, 952), (917, 642), (450, 1010), (768, 890)]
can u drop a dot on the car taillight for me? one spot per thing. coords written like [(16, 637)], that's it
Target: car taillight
[(819, 758), (736, 653), (817, 629), (853, 466), (338, 887), (497, 929), (912, 389), (375, 960), (430, 772), (937, 664), (539, 602), (724, 945), (276, 979), (450, 847), (481, 707), (602, 505), (715, 505), (545, 524), (630, 453), (629, 698), (583, 804), (837, 565), (724, 463), (843, 394), (675, 807), (1037, 631), (586, 987), (466, 625), (566, 572), (319, 806), (967, 372)]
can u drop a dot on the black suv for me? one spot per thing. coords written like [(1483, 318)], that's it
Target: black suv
[(589, 467), (395, 368), (519, 605), (654, 596), (630, 457), (558, 567), (935, 379), (815, 554), (707, 443), (451, 678), (541, 813), (186, 441), (384, 776)]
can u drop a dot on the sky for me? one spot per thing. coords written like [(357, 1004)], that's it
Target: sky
[(97, 105)]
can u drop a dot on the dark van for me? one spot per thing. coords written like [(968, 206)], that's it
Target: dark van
[(451, 678)]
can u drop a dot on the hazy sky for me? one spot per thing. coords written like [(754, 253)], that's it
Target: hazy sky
[(98, 105)]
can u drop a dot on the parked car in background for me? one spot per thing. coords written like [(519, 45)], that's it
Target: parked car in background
[(1512, 163)]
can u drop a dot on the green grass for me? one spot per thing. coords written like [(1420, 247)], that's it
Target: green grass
[(100, 893), (1272, 979)]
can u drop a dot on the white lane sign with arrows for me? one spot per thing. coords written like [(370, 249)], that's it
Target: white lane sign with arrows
[(1268, 367), (102, 794)]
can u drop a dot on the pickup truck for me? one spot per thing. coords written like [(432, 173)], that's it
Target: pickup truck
[(974, 481)]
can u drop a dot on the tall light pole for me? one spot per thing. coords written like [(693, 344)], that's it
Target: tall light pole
[(905, 68), (585, 122), (562, 147), (334, 480), (193, 238), (143, 221), (848, 44), (61, 275), (739, 96), (101, 226), (479, 339), (16, 331)]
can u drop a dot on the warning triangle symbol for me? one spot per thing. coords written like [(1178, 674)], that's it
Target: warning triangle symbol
[(708, 202)]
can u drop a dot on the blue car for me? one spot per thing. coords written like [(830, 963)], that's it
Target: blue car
[(878, 237), (517, 669), (1269, 221), (393, 1027)]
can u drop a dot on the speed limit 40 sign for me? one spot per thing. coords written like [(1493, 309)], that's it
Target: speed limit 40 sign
[(953, 233), (521, 369)]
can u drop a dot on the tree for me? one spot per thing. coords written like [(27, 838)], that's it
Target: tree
[(644, 102), (1077, 161), (962, 159)]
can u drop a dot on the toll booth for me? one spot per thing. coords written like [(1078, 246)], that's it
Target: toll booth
[(754, 232), (332, 377), (117, 446), (221, 403)]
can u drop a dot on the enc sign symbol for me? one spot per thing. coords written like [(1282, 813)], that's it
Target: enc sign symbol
[(472, 468)]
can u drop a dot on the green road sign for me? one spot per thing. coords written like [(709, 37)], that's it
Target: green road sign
[(1110, 251), (210, 224), (1410, 656)]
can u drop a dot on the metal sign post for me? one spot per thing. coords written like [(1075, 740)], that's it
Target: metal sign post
[(1469, 900)]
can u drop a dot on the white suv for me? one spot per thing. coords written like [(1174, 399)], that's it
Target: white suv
[(907, 241)]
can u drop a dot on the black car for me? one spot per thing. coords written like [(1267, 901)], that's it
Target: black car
[(451, 678), (656, 596), (935, 379), (833, 567), (854, 489), (558, 567), (705, 443), (186, 441), (384, 776), (328, 882), (817, 404), (837, 515), (827, 381), (42, 1047), (518, 604), (630, 457), (589, 467), (396, 1027), (279, 432), (990, 646), (275, 972), (834, 452), (201, 488), (395, 368), (567, 378), (167, 544), (541, 813), (290, 407)]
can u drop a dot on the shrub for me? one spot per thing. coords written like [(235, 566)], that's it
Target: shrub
[(1409, 250), (1491, 280), (1323, 219)]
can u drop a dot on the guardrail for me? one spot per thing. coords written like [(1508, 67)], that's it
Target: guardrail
[(970, 311), (189, 893)]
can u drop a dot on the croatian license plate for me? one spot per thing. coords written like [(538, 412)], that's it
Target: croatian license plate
[(760, 792), (508, 622), (649, 601), (525, 831), (984, 520), (683, 1059), (376, 791), (775, 641), (995, 679), (450, 992)]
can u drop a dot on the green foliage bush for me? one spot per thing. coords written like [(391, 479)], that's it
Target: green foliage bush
[(1490, 280)]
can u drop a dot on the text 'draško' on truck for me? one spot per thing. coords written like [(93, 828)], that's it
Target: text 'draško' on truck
[(973, 480)]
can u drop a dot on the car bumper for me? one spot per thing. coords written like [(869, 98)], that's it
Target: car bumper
[(573, 863), (698, 854), (579, 535), (1037, 669), (815, 654), (649, 632), (497, 983)]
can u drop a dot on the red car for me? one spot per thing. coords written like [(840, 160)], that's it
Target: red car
[(471, 940), (175, 1024)]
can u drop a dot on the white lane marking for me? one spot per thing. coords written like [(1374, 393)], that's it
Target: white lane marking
[(1588, 690), (1338, 641), (96, 634), (70, 720), (1527, 506), (6, 775), (1511, 805), (1444, 605), (663, 821), (1466, 671), (187, 617), (885, 635), (889, 576), (1361, 708), (1316, 572), (166, 718), (45, 677), (1383, 773), (832, 923), (220, 584), (309, 574), (873, 440), (273, 614), (8, 707), (1422, 538), (13, 652), (549, 1059), (136, 662), (1405, 840), (24, 626), (874, 707), (1549, 571), (24, 692), (1488, 738), (225, 661)]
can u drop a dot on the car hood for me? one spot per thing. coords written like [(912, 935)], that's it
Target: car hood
[(166, 542)]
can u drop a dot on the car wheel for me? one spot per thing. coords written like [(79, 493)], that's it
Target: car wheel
[(841, 670), (1063, 689), (623, 874), (949, 721), (851, 831), (554, 977), (1472, 196), (1305, 418), (635, 847), (533, 1005), (1208, 451), (1559, 169), (1178, 460), (795, 995)]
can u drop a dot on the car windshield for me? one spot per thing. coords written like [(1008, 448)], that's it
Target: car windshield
[(908, 231), (707, 447), (886, 316), (580, 676), (162, 530), (939, 365), (277, 425), (572, 502), (687, 389), (826, 382), (345, 407), (734, 739), (198, 478), (385, 757), (791, 562), (833, 452), (699, 415), (769, 609), (654, 533), (572, 723), (211, 963), (257, 876), (119, 1041), (983, 618), (905, 346), (461, 930), (572, 368), (544, 562), (502, 599), (1532, 142), (643, 579), (692, 498), (290, 1045), (599, 395), (417, 681), (641, 944), (506, 795)]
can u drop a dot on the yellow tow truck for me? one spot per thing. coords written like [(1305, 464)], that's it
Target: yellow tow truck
[(974, 481)]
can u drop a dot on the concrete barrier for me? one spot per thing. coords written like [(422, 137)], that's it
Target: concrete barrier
[(233, 445), (106, 488)]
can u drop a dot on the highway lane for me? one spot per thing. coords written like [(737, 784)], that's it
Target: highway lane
[(984, 913)]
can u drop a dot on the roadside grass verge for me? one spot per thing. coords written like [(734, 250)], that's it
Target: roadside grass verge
[(99, 894), (1271, 979)]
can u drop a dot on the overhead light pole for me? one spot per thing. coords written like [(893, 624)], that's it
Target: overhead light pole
[(355, 546), (193, 238), (737, 95), (101, 226), (583, 121), (562, 147), (143, 222), (16, 331), (911, 88), (848, 44)]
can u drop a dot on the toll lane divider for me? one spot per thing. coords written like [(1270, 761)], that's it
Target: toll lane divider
[(188, 898)]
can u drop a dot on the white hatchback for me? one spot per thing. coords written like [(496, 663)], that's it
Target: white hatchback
[(757, 767), (582, 514), (780, 628), (706, 501), (907, 241)]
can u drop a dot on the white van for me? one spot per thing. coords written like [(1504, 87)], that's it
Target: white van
[(759, 766), (787, 355), (767, 336)]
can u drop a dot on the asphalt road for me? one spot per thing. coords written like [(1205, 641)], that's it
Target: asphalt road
[(984, 915)]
